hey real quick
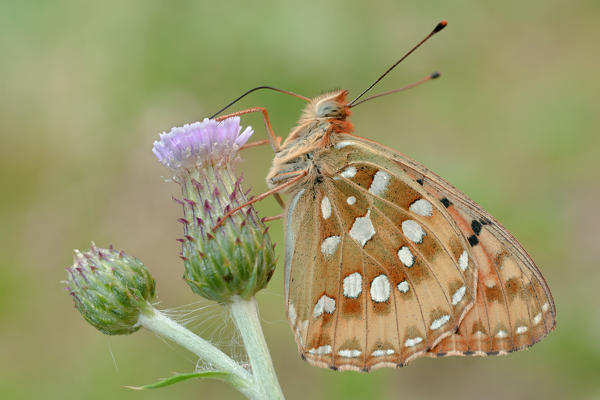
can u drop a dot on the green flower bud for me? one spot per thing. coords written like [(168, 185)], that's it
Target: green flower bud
[(110, 289), (236, 258)]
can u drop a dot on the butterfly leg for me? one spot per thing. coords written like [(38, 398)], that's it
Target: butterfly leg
[(273, 218), (258, 143), (273, 140), (298, 175)]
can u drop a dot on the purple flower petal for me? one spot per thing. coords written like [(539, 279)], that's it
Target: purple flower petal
[(207, 141), (244, 136)]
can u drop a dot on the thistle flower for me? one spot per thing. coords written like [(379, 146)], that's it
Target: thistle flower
[(209, 141), (110, 289), (237, 258)]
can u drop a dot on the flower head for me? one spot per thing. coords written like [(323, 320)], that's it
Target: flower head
[(237, 258), (110, 289), (194, 144)]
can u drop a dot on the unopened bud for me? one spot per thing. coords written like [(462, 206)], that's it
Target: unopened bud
[(110, 289)]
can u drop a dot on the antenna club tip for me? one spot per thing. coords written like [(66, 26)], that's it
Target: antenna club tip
[(435, 75), (441, 25)]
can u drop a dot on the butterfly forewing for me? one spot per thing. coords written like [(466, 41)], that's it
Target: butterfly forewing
[(300, 248)]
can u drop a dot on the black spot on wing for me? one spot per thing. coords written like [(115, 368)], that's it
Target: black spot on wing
[(476, 226), (420, 182), (473, 241), (446, 202)]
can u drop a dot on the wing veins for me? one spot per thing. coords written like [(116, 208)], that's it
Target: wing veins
[(414, 248), (396, 318), (411, 284), (334, 206), (381, 265), (454, 262), (312, 270), (500, 233), (536, 274), (341, 260), (505, 238), (295, 247), (441, 185), (510, 322), (366, 310)]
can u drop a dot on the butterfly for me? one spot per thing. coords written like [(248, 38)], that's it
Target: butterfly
[(385, 261)]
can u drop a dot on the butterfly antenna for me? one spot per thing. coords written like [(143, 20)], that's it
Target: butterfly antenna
[(441, 25), (431, 76), (254, 90)]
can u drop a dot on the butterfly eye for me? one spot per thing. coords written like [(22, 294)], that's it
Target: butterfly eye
[(330, 109)]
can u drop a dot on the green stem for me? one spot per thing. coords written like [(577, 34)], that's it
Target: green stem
[(157, 322), (245, 315)]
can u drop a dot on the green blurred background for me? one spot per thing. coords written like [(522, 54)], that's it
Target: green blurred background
[(87, 86)]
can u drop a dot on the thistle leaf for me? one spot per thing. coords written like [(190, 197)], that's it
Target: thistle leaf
[(221, 375)]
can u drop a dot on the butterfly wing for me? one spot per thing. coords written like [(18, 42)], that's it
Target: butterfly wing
[(513, 307), (377, 273), (386, 262)]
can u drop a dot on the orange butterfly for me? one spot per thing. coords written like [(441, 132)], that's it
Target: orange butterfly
[(385, 261)]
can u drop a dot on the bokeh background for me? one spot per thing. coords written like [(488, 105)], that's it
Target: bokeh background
[(87, 86)]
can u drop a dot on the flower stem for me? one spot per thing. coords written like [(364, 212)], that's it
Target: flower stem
[(157, 322), (245, 316)]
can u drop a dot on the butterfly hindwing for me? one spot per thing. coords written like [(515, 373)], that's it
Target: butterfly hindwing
[(376, 272), (512, 310), (514, 307)]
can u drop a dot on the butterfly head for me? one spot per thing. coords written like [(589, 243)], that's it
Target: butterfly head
[(328, 106), (323, 116)]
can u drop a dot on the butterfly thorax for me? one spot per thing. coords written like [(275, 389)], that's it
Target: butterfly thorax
[(303, 149)]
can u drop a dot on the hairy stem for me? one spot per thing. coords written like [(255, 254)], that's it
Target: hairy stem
[(245, 315), (157, 322)]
